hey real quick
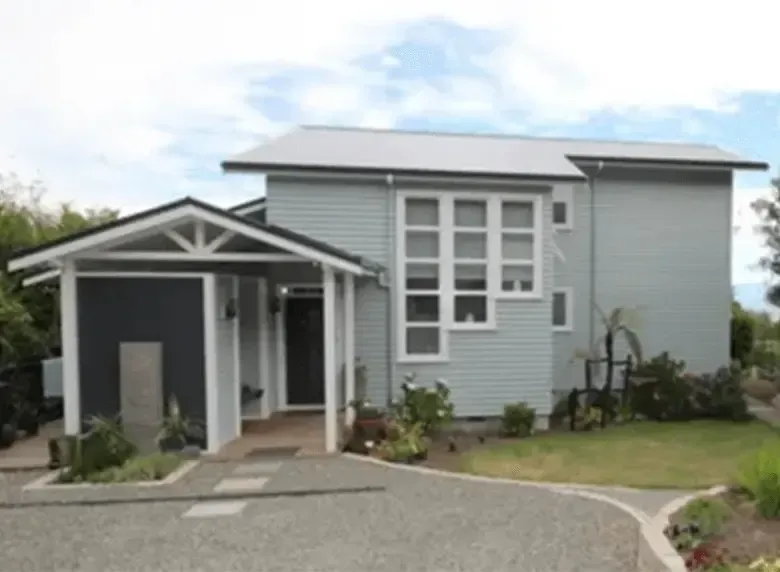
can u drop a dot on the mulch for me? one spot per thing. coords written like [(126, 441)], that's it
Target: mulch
[(746, 536)]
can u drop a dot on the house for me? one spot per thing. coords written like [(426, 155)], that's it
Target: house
[(477, 259)]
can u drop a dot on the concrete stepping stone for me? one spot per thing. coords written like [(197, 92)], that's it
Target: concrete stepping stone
[(232, 485), (215, 509), (264, 468)]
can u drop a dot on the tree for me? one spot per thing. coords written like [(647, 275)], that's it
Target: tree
[(768, 211), (742, 333), (29, 317)]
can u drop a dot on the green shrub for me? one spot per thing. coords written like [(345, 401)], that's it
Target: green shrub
[(518, 419), (404, 443), (152, 467), (431, 408), (664, 395), (668, 394), (709, 514), (719, 395), (759, 477), (103, 446)]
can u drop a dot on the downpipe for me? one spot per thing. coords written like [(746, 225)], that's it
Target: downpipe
[(390, 325), (592, 321)]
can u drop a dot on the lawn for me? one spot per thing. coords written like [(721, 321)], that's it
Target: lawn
[(690, 455)]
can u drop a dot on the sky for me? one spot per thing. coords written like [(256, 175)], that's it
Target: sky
[(129, 104)]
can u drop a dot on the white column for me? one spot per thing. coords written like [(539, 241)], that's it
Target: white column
[(263, 338), (69, 334), (331, 394), (210, 316), (349, 346), (235, 294)]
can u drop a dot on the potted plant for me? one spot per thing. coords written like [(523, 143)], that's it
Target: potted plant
[(177, 431)]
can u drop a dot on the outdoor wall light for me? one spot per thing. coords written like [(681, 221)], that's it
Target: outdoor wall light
[(231, 309)]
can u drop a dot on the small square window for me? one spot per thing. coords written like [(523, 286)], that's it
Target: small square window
[(517, 246), (517, 215), (422, 340), (422, 276), (560, 310), (422, 244), (422, 308), (471, 245), (560, 213), (517, 279), (422, 212), (471, 277), (471, 309), (471, 214)]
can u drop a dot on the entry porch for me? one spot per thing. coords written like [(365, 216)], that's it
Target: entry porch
[(237, 318)]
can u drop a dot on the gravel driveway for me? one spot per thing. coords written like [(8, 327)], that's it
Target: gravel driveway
[(412, 522)]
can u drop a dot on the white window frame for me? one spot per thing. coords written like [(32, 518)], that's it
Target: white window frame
[(446, 262), (450, 230), (403, 293), (537, 260), (568, 293), (563, 195)]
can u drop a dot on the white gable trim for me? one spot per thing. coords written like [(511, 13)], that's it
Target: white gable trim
[(123, 233), (251, 209)]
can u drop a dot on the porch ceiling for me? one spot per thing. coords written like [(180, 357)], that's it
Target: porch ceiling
[(190, 230)]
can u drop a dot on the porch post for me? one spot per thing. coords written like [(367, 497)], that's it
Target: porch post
[(264, 333), (329, 320), (69, 334), (349, 346)]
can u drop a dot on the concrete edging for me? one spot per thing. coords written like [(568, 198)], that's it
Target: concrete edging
[(656, 547), (46, 481), (655, 552)]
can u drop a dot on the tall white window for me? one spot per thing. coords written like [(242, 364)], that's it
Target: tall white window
[(521, 249), (422, 286), (457, 253), (470, 264)]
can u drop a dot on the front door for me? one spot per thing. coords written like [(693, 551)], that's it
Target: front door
[(305, 336)]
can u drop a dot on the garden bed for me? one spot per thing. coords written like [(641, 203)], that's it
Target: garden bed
[(741, 537), (643, 454), (144, 471)]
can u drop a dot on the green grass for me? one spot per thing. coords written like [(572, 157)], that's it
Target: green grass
[(689, 455)]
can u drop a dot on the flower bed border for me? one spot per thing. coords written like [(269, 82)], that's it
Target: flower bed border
[(661, 548), (47, 482)]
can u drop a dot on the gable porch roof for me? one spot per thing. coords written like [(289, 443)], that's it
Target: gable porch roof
[(158, 219)]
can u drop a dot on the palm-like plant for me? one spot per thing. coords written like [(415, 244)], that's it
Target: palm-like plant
[(176, 428), (619, 322)]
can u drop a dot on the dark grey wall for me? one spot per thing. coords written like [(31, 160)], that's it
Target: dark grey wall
[(167, 310)]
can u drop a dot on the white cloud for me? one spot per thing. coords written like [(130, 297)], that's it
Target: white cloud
[(123, 103)]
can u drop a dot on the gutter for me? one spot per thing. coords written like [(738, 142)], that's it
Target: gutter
[(231, 166), (689, 163)]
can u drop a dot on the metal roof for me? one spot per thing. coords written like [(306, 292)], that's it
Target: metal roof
[(318, 148)]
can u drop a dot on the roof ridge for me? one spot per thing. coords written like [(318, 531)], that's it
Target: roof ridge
[(518, 136)]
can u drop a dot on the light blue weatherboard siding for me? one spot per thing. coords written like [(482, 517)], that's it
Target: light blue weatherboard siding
[(662, 246), (486, 369)]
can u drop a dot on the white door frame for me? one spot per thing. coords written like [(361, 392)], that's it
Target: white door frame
[(285, 291)]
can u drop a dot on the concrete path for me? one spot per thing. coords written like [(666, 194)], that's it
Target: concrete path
[(303, 514)]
